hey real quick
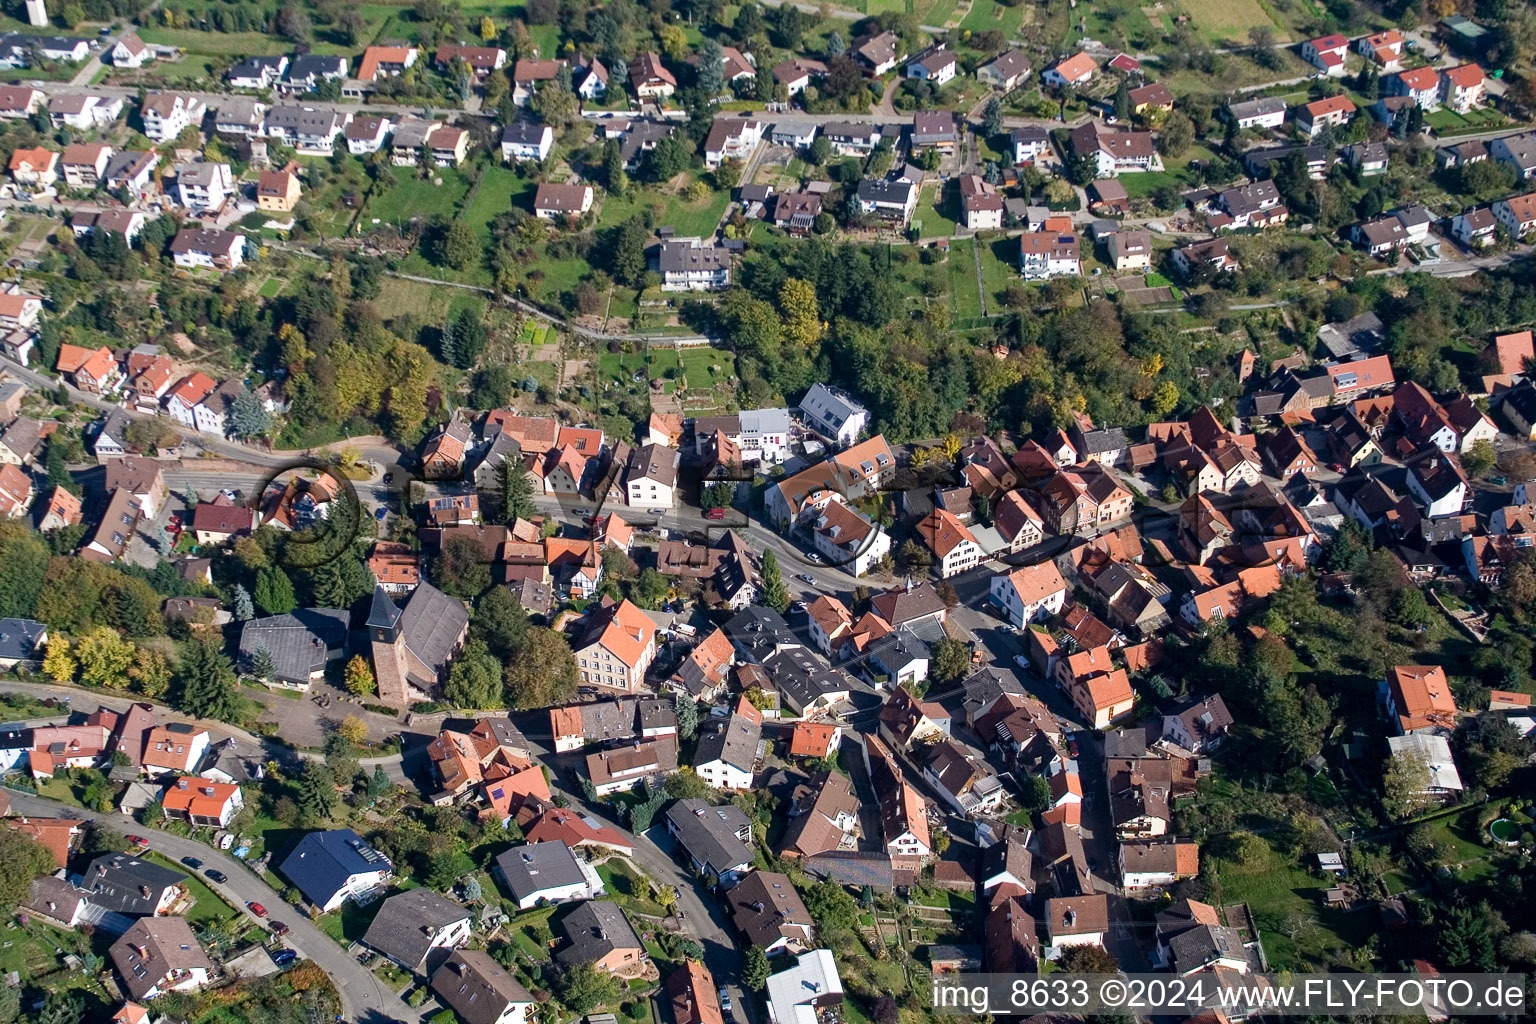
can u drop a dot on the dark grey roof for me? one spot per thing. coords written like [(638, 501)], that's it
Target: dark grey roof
[(524, 133), (408, 922), (732, 739), (535, 867), (711, 835), (766, 908), (315, 65), (852, 867), (682, 257), (18, 638), (299, 641), (801, 677), (252, 67), (431, 624), (304, 120), (322, 862), (477, 987), (759, 631), (885, 190), (153, 948), (117, 882), (594, 929)]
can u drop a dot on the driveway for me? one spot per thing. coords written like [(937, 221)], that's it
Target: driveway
[(363, 997)]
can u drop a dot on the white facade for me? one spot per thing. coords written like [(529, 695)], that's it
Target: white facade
[(833, 414), (1031, 594)]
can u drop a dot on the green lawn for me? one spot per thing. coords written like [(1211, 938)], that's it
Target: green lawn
[(349, 923), (499, 191), (413, 197), (934, 217), (988, 14), (207, 905), (1298, 932), (626, 887), (965, 300)]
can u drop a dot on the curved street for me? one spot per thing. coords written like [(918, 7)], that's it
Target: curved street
[(363, 997)]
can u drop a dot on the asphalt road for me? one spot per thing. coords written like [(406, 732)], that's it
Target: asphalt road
[(363, 998)]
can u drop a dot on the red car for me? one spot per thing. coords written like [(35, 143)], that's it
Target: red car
[(138, 840), (257, 909), (714, 513)]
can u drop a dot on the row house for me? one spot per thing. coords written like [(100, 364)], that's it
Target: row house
[(258, 73), (1096, 686), (1081, 498), (84, 111), (311, 131)]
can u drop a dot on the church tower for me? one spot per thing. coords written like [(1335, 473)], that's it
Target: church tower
[(388, 648)]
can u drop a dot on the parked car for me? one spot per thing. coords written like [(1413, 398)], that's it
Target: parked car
[(192, 862), (284, 957), (256, 908), (278, 928), (216, 875), (714, 513), (138, 840), (725, 999)]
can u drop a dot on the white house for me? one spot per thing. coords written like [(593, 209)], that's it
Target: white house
[(547, 872), (689, 265), (332, 867), (650, 479), (1074, 70), (526, 140), (366, 133), (848, 539), (936, 66), (84, 111), (130, 52), (726, 756), (167, 114), (1517, 214), (731, 139), (1474, 228), (1077, 920), (833, 414), (952, 543), (202, 187), (208, 248), (1029, 594), (1266, 112)]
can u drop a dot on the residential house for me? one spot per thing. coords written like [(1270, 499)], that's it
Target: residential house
[(848, 539), (1129, 250), (1199, 725), (560, 202), (1005, 72), (334, 866), (1421, 85), (124, 884), (834, 414), (1194, 259), (203, 188), (1474, 228), (1519, 151), (158, 955), (1417, 698), (797, 73), (480, 60), (311, 131), (528, 140), (1099, 689), (598, 933), (20, 101), (877, 54), (311, 70), (731, 139), (650, 79), (386, 62), (537, 874), (201, 802), (852, 139), (38, 167), (85, 164), (208, 248), (418, 929), (366, 133), (1031, 593), (892, 200), (1326, 53), (1461, 87), (240, 118), (726, 755), (167, 114), (1367, 158), (1077, 920), (770, 915), (1517, 214), (692, 991), (616, 647), (691, 265), (1265, 112), (1047, 254), (716, 839), (1075, 70), (173, 747), (1114, 152), (481, 991), (1385, 48), (259, 73), (937, 66), (1029, 145), (83, 111), (982, 203), (277, 191), (1334, 111)]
